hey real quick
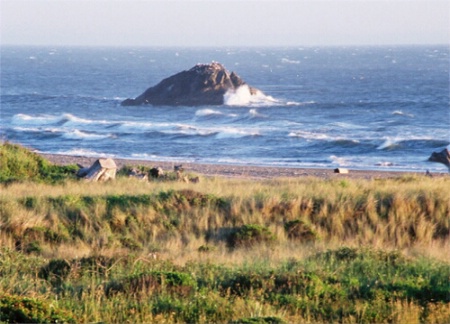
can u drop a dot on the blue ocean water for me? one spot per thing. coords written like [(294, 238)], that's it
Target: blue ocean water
[(381, 108)]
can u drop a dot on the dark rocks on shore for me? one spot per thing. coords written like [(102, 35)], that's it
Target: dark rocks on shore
[(204, 84), (441, 157)]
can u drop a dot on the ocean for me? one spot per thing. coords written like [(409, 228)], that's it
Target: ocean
[(370, 108)]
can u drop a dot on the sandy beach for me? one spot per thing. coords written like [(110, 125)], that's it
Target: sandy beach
[(240, 171)]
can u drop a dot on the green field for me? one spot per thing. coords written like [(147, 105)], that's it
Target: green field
[(220, 251)]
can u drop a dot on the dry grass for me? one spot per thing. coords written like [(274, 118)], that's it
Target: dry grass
[(412, 214)]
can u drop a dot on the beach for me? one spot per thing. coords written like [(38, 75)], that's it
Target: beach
[(241, 171)]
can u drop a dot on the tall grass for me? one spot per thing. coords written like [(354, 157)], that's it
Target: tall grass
[(173, 217)]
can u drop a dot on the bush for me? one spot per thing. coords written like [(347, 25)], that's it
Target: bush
[(249, 235), (18, 309), (259, 320), (175, 282), (56, 271), (206, 248), (19, 164), (298, 230)]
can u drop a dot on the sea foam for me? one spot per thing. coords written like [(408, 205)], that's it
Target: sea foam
[(243, 97)]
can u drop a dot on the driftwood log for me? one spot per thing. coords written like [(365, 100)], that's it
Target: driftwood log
[(100, 170)]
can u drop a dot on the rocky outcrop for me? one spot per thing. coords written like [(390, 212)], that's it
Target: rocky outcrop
[(204, 84), (441, 157)]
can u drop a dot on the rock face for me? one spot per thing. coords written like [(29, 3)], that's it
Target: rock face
[(441, 157), (204, 84)]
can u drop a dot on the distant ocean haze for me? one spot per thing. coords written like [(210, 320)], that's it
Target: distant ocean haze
[(383, 108)]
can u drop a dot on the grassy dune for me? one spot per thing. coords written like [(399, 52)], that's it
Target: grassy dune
[(226, 251)]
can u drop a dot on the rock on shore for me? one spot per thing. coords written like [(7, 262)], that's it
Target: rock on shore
[(204, 84), (441, 157)]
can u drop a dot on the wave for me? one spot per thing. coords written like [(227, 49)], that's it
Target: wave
[(243, 97), (212, 113), (24, 119), (235, 133), (391, 144), (80, 135), (83, 152), (161, 158), (309, 135), (401, 113), (288, 61), (192, 131)]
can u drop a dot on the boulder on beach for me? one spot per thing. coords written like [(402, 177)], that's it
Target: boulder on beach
[(441, 157), (100, 170), (204, 84)]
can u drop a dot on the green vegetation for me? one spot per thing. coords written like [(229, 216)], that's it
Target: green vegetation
[(19, 164), (250, 234), (16, 309), (223, 251)]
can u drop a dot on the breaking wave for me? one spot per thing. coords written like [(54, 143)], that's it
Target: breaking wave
[(243, 97)]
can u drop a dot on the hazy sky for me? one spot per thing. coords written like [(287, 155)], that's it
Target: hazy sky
[(224, 23)]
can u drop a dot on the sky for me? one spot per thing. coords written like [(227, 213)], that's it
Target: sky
[(224, 23)]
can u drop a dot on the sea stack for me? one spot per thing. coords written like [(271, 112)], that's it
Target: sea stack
[(204, 84)]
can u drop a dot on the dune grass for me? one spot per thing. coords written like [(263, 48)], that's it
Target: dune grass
[(225, 251)]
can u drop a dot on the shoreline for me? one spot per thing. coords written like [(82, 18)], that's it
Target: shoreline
[(240, 171)]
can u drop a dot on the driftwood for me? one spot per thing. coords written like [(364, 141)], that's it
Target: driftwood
[(156, 172), (138, 174), (101, 170)]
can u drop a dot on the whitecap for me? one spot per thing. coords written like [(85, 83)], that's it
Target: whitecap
[(190, 130), (234, 133), (243, 97), (23, 119), (254, 113), (309, 135), (401, 113), (83, 152), (388, 143), (288, 61), (79, 135), (207, 112)]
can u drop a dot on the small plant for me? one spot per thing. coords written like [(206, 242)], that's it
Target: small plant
[(249, 235), (130, 243), (206, 248), (56, 271), (175, 282), (299, 230), (19, 309), (259, 320), (33, 247)]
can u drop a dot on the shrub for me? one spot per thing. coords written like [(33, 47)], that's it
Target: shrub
[(175, 282), (249, 235), (242, 283), (19, 164), (206, 248), (259, 320), (18, 309), (33, 247), (56, 271), (298, 230)]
